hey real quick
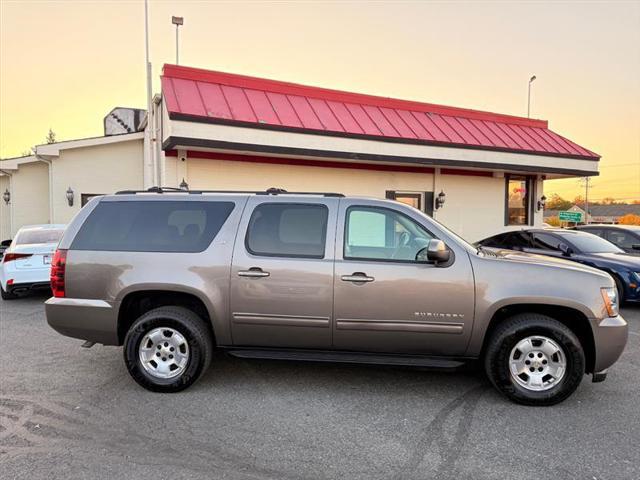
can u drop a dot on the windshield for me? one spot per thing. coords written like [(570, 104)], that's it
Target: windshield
[(39, 236), (587, 243)]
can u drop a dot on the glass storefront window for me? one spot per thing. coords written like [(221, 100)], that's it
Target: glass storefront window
[(518, 200)]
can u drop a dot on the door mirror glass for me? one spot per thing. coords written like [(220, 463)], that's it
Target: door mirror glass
[(565, 249), (435, 252)]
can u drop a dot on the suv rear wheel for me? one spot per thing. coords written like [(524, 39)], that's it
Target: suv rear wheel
[(534, 360), (168, 349)]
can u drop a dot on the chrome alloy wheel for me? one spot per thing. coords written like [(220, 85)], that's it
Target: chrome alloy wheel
[(537, 363), (164, 353)]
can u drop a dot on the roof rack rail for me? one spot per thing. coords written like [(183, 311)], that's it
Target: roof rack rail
[(269, 191)]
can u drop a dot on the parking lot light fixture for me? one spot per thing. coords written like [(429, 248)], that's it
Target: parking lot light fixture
[(70, 196), (531, 80), (6, 196), (177, 21)]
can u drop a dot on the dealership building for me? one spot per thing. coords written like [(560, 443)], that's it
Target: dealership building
[(477, 172)]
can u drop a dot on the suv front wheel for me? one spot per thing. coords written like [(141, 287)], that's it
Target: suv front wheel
[(168, 349), (534, 360)]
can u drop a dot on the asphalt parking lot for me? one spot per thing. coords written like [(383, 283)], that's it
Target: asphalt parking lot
[(67, 412)]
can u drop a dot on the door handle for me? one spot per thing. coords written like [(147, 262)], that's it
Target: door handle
[(253, 272), (357, 277)]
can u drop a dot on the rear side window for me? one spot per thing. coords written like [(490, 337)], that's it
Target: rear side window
[(546, 241), (152, 226), (288, 230), (48, 235)]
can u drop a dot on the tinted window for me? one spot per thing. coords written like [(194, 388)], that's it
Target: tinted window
[(287, 230), (623, 239), (154, 226), (518, 240), (594, 231), (546, 241), (39, 236), (382, 234), (497, 241)]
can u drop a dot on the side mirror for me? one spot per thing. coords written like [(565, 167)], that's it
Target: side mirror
[(565, 249), (6, 243), (435, 252), (635, 246)]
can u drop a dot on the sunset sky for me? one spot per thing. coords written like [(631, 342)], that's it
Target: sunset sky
[(65, 64)]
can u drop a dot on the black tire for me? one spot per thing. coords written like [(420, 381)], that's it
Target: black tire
[(7, 295), (513, 330), (190, 326)]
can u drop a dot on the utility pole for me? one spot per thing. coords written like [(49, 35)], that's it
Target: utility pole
[(177, 21), (586, 199), (531, 80)]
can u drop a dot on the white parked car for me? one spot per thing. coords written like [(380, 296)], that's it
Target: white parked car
[(26, 263)]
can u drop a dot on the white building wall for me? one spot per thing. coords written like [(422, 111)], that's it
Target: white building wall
[(474, 206), (98, 169), (5, 213), (231, 175), (29, 196)]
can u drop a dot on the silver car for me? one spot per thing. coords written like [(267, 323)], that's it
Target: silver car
[(322, 277)]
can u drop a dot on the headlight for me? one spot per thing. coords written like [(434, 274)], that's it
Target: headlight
[(637, 275), (610, 297)]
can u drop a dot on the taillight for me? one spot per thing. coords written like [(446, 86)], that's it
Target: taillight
[(58, 265), (9, 257)]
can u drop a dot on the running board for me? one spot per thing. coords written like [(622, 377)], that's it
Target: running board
[(349, 357)]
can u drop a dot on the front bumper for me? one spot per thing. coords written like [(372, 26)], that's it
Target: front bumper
[(610, 337), (93, 320)]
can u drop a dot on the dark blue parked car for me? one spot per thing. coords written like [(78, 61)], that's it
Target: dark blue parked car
[(579, 247)]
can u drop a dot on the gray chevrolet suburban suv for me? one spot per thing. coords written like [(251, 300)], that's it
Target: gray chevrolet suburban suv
[(322, 277)]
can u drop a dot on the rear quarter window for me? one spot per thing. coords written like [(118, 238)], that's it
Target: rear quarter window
[(152, 226)]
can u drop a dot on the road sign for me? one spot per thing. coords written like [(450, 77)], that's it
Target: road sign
[(575, 217)]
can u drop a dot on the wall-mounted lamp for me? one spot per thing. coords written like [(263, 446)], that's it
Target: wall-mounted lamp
[(542, 202), (184, 185), (70, 195), (6, 196), (440, 199)]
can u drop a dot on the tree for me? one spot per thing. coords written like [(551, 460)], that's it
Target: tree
[(629, 219), (51, 136), (556, 202), (609, 201), (553, 221)]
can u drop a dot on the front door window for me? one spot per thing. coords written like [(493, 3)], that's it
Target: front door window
[(382, 234)]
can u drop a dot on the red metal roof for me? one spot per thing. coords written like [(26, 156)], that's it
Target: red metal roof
[(217, 97)]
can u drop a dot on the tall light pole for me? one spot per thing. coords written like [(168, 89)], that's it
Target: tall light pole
[(177, 21), (149, 165), (531, 80)]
